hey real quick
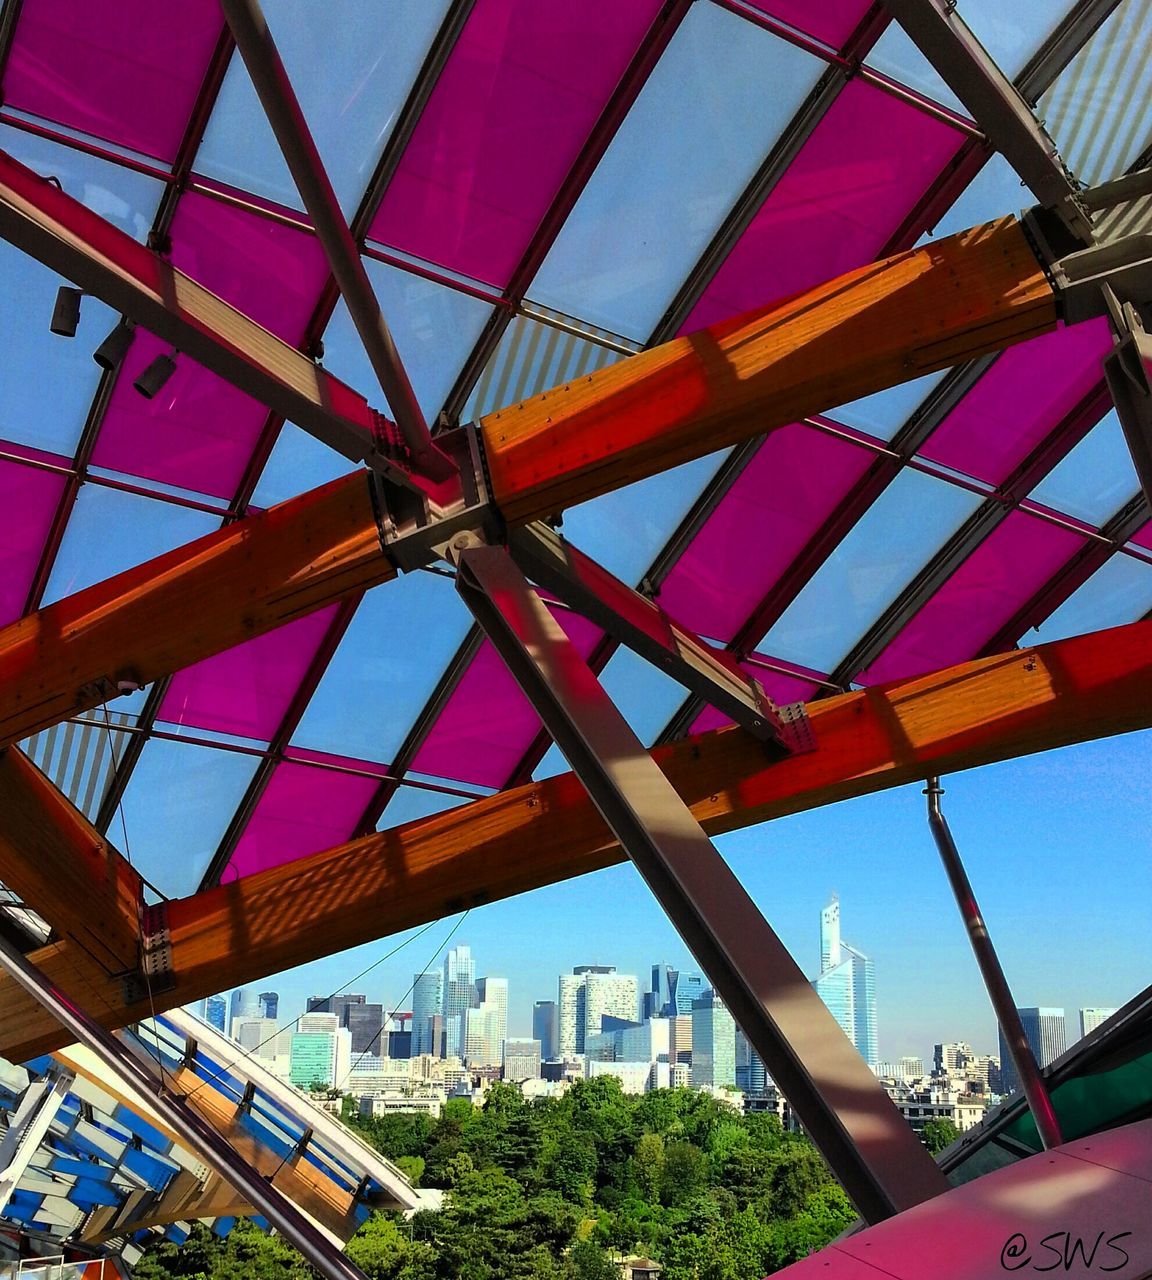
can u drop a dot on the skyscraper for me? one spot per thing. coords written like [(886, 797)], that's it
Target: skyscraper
[(569, 1022), (588, 994), (269, 1002), (216, 1012), (545, 1029), (1046, 1033), (713, 1043), (366, 1023), (493, 993), (1090, 1019), (458, 994), (847, 985), (521, 1059), (244, 1004), (672, 992), (751, 1074), (426, 988)]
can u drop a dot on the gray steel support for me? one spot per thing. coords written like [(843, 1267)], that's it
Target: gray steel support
[(28, 1128), (194, 1131), (278, 98), (641, 624), (996, 105), (870, 1148), (1128, 372), (995, 983)]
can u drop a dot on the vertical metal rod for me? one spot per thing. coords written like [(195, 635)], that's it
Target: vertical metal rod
[(881, 1163), (278, 98), (192, 1128), (1020, 1051)]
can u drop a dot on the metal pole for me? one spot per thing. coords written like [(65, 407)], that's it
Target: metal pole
[(278, 98), (192, 1128), (1007, 1015), (881, 1163)]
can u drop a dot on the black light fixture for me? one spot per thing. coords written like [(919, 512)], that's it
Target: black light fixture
[(152, 380), (66, 312), (114, 348)]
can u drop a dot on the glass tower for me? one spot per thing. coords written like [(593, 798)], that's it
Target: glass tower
[(458, 994), (847, 985)]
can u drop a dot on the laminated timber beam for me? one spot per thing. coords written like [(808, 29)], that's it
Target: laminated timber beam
[(64, 869), (978, 712), (918, 311), (198, 600)]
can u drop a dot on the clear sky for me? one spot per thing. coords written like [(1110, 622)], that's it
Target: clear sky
[(1056, 846)]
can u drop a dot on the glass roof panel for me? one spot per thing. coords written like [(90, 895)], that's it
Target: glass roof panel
[(625, 530), (351, 76), (645, 696), (837, 205), (898, 58), (373, 690), (1099, 111), (1008, 568), (129, 72), (111, 531), (245, 691), (832, 21), (1021, 398), (883, 414), (407, 804), (302, 810), (890, 544), (1012, 34), (435, 328), (298, 462), (716, 102), (1118, 592), (1096, 479), (798, 477), (509, 114), (29, 498), (487, 725), (993, 192), (177, 805)]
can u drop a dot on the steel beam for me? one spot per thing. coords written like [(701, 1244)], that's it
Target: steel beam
[(995, 104), (278, 98), (28, 1127), (191, 1128), (870, 1148), (591, 590), (1128, 370)]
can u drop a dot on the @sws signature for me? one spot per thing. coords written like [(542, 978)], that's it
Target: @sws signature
[(1060, 1250)]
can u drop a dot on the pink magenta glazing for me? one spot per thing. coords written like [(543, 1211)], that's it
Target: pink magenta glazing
[(29, 497)]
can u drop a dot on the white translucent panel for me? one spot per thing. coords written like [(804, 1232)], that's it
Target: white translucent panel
[(298, 462), (352, 69), (111, 531), (889, 545), (177, 806), (1012, 33), (1119, 592), (897, 57), (645, 696), (1096, 479), (884, 413), (716, 102), (409, 803), (391, 658), (995, 191)]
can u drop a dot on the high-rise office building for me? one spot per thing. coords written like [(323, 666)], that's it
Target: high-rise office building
[(426, 988), (481, 1044), (952, 1058), (493, 993), (321, 1054), (521, 1060), (269, 1002), (569, 1022), (399, 1044), (458, 994), (847, 985), (365, 1022), (751, 1074), (215, 1013), (607, 994), (1090, 1019), (256, 1035), (244, 1004), (672, 992), (713, 1043), (544, 1028), (680, 1038), (1046, 1033)]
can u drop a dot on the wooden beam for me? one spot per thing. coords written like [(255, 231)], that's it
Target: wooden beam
[(992, 709), (925, 309), (196, 601), (36, 216), (62, 868)]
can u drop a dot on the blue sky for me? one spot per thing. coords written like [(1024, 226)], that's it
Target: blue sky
[(1056, 846)]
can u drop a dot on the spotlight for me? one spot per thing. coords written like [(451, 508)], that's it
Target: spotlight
[(114, 348), (66, 312), (152, 380)]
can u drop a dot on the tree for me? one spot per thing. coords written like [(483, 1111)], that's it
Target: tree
[(586, 1261), (685, 1172), (648, 1164), (939, 1133)]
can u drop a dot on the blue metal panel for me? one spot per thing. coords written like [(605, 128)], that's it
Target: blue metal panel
[(155, 1171), (148, 1134)]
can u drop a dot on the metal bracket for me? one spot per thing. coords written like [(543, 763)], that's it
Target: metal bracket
[(1123, 266), (155, 972), (643, 626), (1128, 372)]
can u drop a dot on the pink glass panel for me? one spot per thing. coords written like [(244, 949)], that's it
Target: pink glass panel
[(128, 71), (510, 112), (837, 205), (781, 688), (832, 21), (999, 577), (798, 477), (303, 810), (246, 690), (199, 432), (487, 724), (29, 499), (1019, 400)]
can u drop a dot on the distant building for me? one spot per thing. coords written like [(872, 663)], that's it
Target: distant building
[(751, 1074), (633, 1076), (269, 1002), (588, 994), (400, 1044), (544, 1028), (1046, 1032), (216, 1013), (1090, 1019), (713, 1043), (918, 1106), (256, 1035), (244, 1004), (492, 993), (847, 985), (320, 1056), (952, 1058), (365, 1022), (680, 1038), (426, 989), (521, 1060), (457, 994), (672, 992)]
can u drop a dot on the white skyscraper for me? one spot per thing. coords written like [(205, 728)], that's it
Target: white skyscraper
[(458, 993), (570, 1029), (588, 994), (847, 985), (1090, 1019), (493, 992)]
